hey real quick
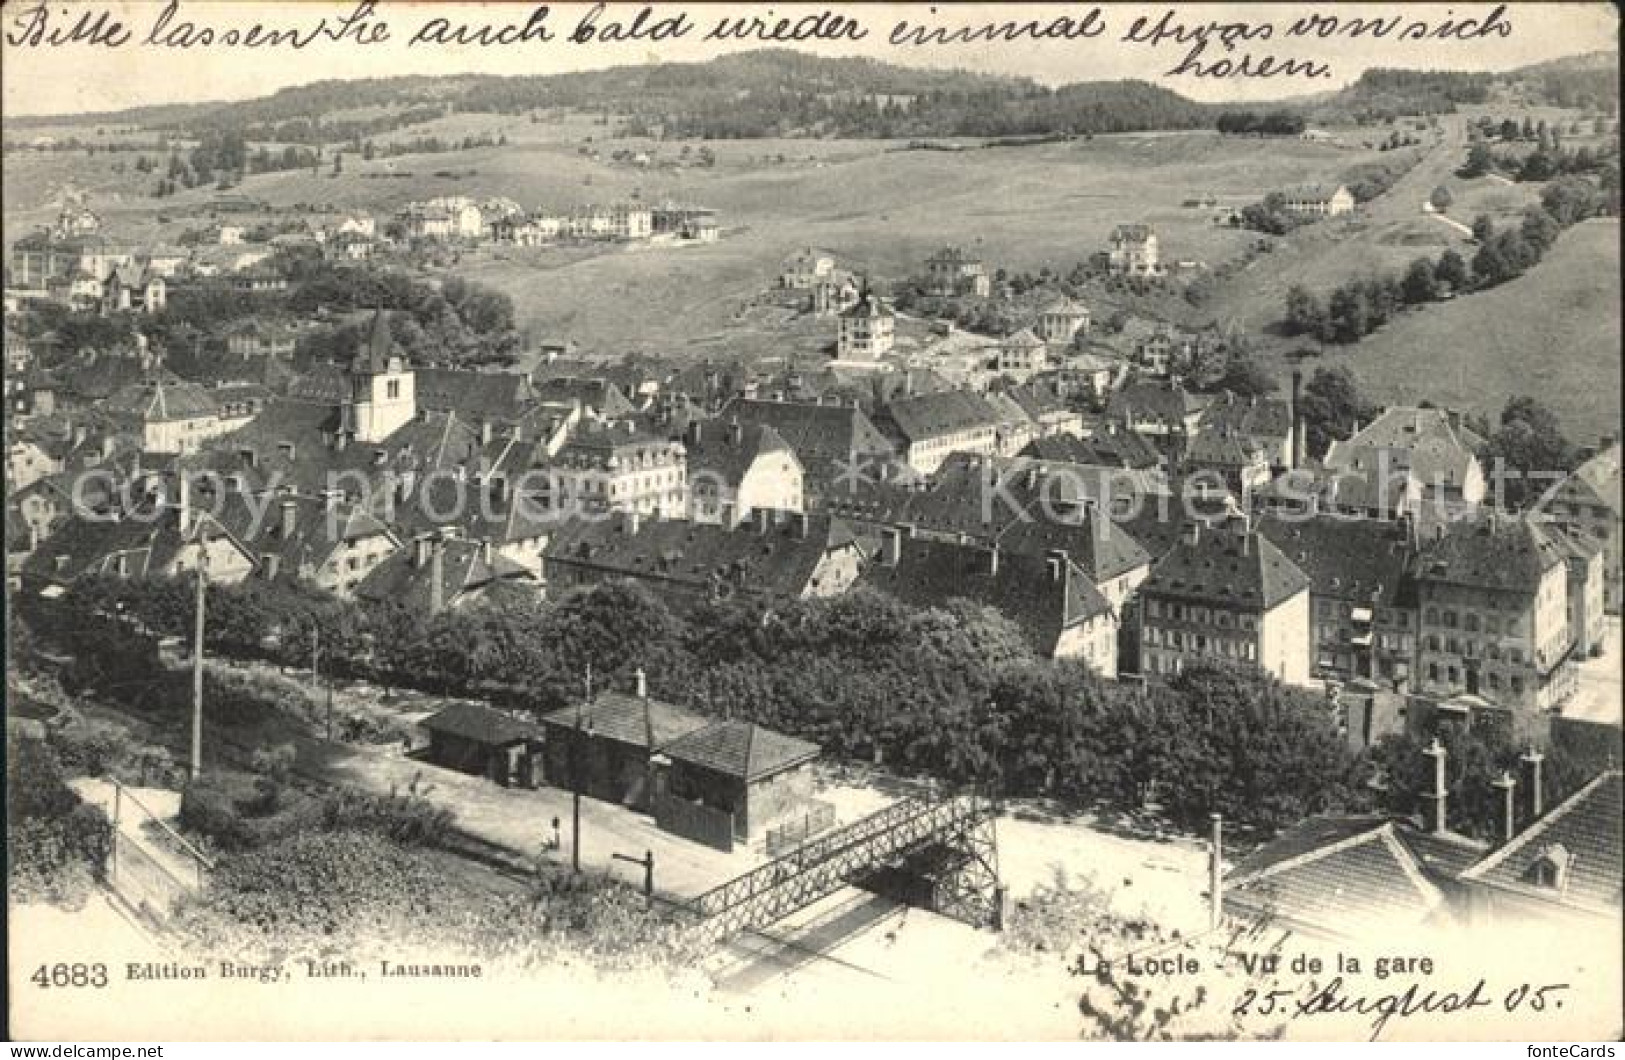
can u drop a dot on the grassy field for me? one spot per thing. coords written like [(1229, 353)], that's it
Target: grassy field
[(1552, 333)]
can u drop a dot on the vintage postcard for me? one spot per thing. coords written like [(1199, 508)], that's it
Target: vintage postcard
[(852, 521)]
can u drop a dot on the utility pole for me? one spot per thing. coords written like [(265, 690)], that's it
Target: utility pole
[(575, 782), (197, 658)]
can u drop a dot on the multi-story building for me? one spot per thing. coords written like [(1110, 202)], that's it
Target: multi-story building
[(735, 470), (618, 467), (175, 415), (1362, 601), (1430, 445), (1132, 251), (1589, 500), (926, 428), (1022, 354), (1493, 597), (951, 271), (1226, 593), (1059, 320), (866, 330)]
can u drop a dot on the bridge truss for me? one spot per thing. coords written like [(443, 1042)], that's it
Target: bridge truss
[(959, 830)]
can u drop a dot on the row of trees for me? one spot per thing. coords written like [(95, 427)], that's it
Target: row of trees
[(1355, 309), (952, 692), (1255, 123)]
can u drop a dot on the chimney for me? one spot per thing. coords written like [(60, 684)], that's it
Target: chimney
[(330, 499), (487, 432), (802, 525), (420, 552), (78, 435), (486, 551), (273, 565), (993, 562), (290, 518), (437, 576), (642, 681), (631, 521), (1531, 762), (1193, 532), (1438, 799), (891, 546), (1508, 788), (1295, 419), (696, 430), (763, 519), (736, 433)]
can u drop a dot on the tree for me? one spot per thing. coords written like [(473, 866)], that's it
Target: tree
[(1480, 160), (1242, 744), (1305, 314), (1441, 198), (1350, 313), (1452, 270), (1245, 377), (1528, 452), (1420, 284), (1539, 230), (1331, 405), (1483, 228)]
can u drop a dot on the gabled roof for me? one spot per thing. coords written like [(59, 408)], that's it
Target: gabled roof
[(165, 397), (1348, 877), (703, 558), (741, 749), (473, 395), (1230, 567), (598, 395), (1584, 833), (149, 540), (1507, 553), (1266, 420), (824, 437), (464, 569), (482, 724), (1131, 233), (1147, 399), (1044, 595), (925, 416), (1311, 192), (712, 448), (868, 305), (1422, 440), (372, 356), (1594, 482), (1367, 560)]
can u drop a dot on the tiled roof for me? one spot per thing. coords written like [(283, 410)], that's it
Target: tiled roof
[(1311, 192), (1230, 567), (1583, 833), (868, 305), (464, 569), (1148, 399), (1124, 449), (317, 530), (163, 398), (741, 749), (925, 416), (1491, 552), (1267, 420), (824, 437), (1347, 877), (1044, 595), (703, 557), (472, 395), (1595, 482), (627, 719), (598, 395), (149, 540), (482, 724), (1131, 233), (1367, 560), (1422, 440), (712, 448)]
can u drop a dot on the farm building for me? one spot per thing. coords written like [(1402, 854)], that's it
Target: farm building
[(474, 738)]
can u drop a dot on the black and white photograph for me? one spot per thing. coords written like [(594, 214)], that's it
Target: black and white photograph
[(850, 522)]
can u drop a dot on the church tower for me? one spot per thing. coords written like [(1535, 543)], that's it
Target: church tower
[(382, 397)]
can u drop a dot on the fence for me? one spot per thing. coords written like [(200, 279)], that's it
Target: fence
[(151, 874), (691, 820), (816, 817)]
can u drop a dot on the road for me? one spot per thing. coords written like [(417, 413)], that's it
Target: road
[(1599, 690)]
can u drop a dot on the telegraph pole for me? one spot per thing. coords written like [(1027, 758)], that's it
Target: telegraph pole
[(575, 782), (197, 658)]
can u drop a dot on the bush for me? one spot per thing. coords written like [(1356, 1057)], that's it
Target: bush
[(408, 818), (209, 809), (56, 843)]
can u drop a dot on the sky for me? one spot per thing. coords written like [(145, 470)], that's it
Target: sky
[(82, 77)]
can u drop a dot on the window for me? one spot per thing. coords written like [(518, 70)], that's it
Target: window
[(1433, 642), (1517, 685), (392, 389), (1453, 674), (1493, 625), (1495, 682), (1432, 615), (1450, 619), (1551, 869), (1433, 671), (1471, 623)]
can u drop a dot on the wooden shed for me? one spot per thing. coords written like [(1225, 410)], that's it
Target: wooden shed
[(475, 738)]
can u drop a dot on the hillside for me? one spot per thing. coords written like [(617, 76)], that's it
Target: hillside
[(1552, 333), (765, 93)]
